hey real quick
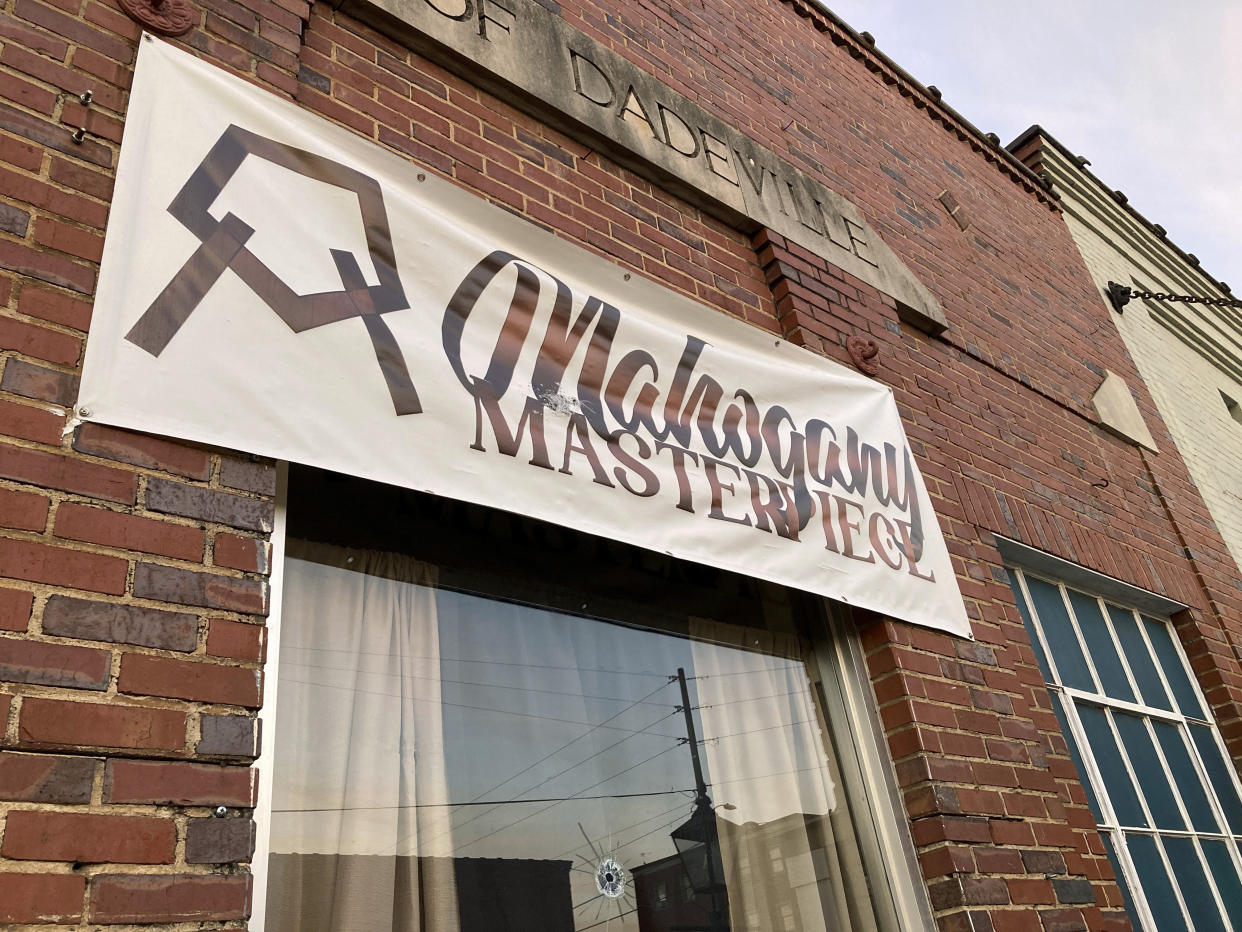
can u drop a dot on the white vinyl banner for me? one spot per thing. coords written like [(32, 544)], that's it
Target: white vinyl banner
[(276, 284)]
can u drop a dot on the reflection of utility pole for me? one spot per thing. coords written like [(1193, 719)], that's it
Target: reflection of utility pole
[(698, 840), (700, 785)]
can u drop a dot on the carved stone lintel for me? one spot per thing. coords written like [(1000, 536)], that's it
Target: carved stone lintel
[(865, 354), (536, 59), (163, 17)]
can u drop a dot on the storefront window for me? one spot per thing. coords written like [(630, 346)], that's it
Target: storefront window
[(485, 723)]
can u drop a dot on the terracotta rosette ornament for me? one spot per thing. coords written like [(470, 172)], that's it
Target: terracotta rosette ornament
[(162, 17), (865, 354)]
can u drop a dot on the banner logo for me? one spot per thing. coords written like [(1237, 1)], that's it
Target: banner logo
[(223, 246)]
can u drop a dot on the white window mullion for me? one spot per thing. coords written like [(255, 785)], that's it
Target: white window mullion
[(1082, 641), (1112, 824), (1207, 872), (1121, 653), (1168, 774), (1191, 832), (1079, 737), (1155, 659), (1146, 711), (1125, 762), (1218, 807), (1193, 677), (1173, 884), (1039, 629), (1129, 877)]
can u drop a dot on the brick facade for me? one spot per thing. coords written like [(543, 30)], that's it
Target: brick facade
[(135, 568)]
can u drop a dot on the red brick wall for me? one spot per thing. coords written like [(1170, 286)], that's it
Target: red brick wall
[(134, 568)]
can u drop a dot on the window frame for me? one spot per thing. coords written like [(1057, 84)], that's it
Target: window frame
[(867, 772), (1023, 564)]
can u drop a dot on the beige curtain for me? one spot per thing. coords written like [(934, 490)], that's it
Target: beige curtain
[(359, 841), (791, 859)]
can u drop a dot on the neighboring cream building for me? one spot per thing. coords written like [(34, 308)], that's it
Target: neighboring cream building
[(1189, 355)]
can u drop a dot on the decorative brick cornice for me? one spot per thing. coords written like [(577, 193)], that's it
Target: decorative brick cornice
[(924, 98)]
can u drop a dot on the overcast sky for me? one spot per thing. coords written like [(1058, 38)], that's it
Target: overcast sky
[(1149, 91)]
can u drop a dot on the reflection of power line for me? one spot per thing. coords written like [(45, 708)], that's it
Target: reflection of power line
[(442, 680), (577, 796), (573, 798), (790, 665), (621, 773), (765, 776), (679, 808), (476, 708), (493, 663), (550, 754), (680, 817), (592, 899), (752, 731), (561, 773), (632, 703), (604, 922), (490, 802), (713, 705)]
